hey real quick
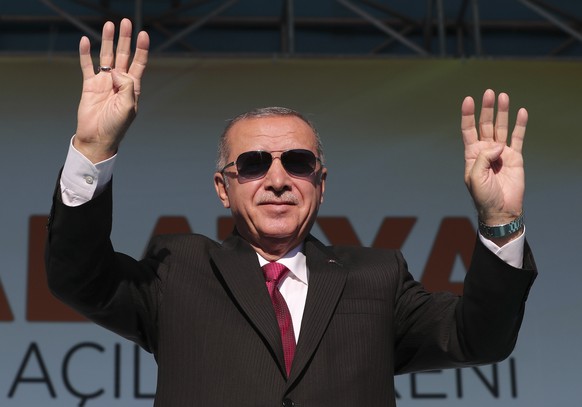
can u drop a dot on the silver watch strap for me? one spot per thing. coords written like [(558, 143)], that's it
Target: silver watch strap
[(497, 231)]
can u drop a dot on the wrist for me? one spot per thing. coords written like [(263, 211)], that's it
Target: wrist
[(94, 151)]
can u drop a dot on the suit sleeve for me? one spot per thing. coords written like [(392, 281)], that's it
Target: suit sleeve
[(83, 271), (440, 330)]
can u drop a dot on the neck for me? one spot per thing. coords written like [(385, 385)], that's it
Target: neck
[(270, 247), (273, 252)]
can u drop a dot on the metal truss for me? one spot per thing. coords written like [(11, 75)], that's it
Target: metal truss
[(426, 28)]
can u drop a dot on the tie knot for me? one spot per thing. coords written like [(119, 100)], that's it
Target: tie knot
[(274, 271)]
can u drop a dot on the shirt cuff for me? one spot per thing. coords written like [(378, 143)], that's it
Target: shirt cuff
[(511, 253), (81, 180)]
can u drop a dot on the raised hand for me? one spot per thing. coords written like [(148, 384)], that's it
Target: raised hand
[(494, 171), (110, 97)]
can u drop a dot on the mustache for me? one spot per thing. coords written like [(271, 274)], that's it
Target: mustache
[(286, 197)]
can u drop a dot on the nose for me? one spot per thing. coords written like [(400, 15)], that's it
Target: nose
[(277, 177)]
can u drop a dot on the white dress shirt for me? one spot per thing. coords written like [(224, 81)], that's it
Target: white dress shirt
[(81, 180), (293, 287)]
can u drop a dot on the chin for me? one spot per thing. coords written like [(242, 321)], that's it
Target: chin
[(279, 232)]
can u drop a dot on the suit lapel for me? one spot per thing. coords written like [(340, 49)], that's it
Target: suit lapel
[(238, 265), (237, 262), (327, 278)]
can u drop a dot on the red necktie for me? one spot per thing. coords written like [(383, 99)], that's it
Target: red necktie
[(274, 272)]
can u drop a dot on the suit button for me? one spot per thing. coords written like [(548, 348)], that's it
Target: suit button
[(288, 403)]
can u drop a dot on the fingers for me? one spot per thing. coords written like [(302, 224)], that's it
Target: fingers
[(489, 129), (85, 58), (519, 130), (502, 119), (123, 52), (486, 128), (106, 56), (468, 129), (120, 60), (140, 59)]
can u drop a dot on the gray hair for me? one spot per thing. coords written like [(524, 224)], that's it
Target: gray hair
[(273, 111)]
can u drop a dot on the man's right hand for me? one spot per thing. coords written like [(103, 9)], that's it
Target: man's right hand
[(110, 98)]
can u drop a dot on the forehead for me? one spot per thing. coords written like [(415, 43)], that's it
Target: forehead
[(272, 133)]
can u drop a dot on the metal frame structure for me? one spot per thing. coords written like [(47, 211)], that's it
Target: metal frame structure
[(182, 27)]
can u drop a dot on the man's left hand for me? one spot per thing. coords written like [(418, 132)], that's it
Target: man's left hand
[(494, 172)]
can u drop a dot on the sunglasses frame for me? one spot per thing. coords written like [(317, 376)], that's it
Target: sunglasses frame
[(302, 150)]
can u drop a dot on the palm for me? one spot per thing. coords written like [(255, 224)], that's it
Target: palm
[(103, 112), (494, 171), (503, 184)]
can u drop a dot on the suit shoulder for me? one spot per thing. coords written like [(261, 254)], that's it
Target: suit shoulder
[(179, 242), (367, 255), (181, 238)]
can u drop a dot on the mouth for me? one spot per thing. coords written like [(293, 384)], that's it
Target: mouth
[(277, 203)]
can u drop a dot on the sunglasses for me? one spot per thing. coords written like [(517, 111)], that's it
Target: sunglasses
[(255, 164)]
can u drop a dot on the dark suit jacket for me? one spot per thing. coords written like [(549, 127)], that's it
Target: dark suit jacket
[(202, 309)]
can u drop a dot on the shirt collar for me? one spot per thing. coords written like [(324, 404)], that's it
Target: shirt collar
[(295, 261)]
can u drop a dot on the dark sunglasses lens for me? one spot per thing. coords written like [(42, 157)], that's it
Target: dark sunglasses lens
[(253, 164), (300, 163)]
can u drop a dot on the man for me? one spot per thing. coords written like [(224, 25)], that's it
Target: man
[(339, 322)]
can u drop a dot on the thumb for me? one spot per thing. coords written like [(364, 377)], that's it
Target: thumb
[(487, 157), (123, 85)]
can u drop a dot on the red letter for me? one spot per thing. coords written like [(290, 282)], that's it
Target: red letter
[(456, 237), (5, 311), (391, 235), (41, 305), (225, 227), (171, 224)]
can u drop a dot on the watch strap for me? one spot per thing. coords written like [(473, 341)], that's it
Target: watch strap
[(497, 231)]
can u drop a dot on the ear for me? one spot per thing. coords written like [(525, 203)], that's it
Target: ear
[(220, 184), (321, 179)]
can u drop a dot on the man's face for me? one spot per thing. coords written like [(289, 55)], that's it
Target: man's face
[(274, 213)]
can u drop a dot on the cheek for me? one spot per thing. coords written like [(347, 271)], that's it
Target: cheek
[(241, 197), (310, 197)]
